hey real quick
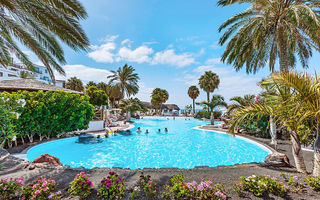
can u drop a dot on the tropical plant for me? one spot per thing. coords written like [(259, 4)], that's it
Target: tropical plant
[(160, 96), (130, 106), (240, 102), (38, 24), (75, 84), (126, 80), (193, 93), (26, 74), (113, 92), (216, 101), (41, 189), (307, 99), (91, 83), (97, 97), (269, 31), (188, 109), (112, 187), (10, 110), (156, 101), (10, 188), (49, 114), (81, 185), (209, 81)]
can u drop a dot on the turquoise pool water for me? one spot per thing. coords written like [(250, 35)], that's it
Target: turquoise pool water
[(181, 147)]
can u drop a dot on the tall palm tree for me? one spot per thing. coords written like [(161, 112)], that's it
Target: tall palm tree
[(75, 84), (240, 102), (216, 101), (193, 93), (271, 30), (307, 92), (126, 80), (209, 81), (38, 24), (156, 101), (162, 94), (113, 92)]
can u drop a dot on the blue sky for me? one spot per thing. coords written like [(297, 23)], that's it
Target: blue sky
[(170, 43)]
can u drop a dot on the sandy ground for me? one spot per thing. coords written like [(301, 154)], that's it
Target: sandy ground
[(224, 175)]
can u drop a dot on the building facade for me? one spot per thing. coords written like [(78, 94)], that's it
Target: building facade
[(41, 73)]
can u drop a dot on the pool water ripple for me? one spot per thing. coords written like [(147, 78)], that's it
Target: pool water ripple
[(181, 147)]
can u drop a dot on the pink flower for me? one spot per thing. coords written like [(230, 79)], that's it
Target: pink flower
[(4, 188), (45, 189), (150, 182), (35, 186), (142, 181), (50, 196), (37, 192), (235, 182)]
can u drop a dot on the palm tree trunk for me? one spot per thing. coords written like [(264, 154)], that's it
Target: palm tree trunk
[(194, 109), (211, 118), (297, 153), (208, 97), (283, 55), (316, 162)]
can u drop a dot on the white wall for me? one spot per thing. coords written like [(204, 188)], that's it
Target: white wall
[(95, 126)]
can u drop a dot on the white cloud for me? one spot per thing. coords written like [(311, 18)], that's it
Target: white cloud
[(169, 57), (213, 61), (84, 73), (215, 45), (103, 53), (127, 42), (139, 55), (144, 92)]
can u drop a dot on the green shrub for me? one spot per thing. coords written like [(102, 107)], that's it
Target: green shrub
[(135, 193), (147, 185), (177, 179), (292, 181), (81, 185), (112, 187), (51, 113), (259, 185), (10, 188), (207, 115), (257, 126), (313, 182), (41, 189), (97, 97)]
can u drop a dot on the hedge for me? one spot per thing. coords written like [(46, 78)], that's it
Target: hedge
[(49, 114)]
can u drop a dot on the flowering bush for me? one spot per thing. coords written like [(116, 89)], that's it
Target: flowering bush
[(293, 181), (135, 193), (204, 190), (147, 185), (42, 189), (112, 187), (10, 187), (81, 185), (259, 185), (313, 182)]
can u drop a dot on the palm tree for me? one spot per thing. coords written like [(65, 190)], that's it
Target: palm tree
[(306, 89), (216, 101), (38, 24), (193, 93), (156, 101), (162, 94), (75, 84), (209, 81), (91, 83), (240, 102), (130, 106), (279, 104), (126, 80), (271, 30)]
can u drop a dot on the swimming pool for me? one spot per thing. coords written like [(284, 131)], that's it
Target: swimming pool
[(181, 147)]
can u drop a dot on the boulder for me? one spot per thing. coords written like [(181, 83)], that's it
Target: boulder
[(3, 153), (46, 158), (276, 160)]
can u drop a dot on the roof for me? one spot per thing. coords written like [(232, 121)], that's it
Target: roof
[(163, 106), (30, 85)]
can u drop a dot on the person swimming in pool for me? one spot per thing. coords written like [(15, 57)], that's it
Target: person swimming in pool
[(147, 131), (159, 130), (138, 130), (166, 130)]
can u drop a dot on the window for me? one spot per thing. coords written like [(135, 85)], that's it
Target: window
[(46, 71), (1, 74), (12, 75)]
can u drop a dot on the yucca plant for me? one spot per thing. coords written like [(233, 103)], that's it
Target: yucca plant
[(216, 101)]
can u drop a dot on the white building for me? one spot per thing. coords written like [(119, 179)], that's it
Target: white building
[(13, 72)]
